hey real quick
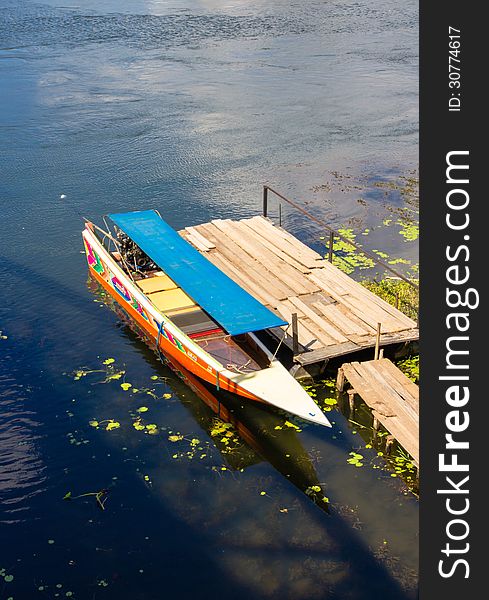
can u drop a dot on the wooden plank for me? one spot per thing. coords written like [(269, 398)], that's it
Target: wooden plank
[(328, 283), (342, 308), (308, 326), (290, 276), (242, 279), (349, 302), (246, 263), (306, 338), (274, 248), (410, 386), (398, 382), (324, 354), (331, 271), (288, 243), (326, 326), (194, 232), (408, 440), (278, 332), (196, 242), (398, 405), (318, 297), (335, 315), (370, 395), (361, 303)]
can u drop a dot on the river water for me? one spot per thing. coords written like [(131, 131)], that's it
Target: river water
[(188, 107)]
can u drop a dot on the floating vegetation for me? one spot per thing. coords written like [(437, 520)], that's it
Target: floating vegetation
[(409, 231), (355, 459), (345, 255), (110, 424), (7, 577), (3, 336), (316, 493), (398, 293), (149, 429), (410, 367), (100, 499)]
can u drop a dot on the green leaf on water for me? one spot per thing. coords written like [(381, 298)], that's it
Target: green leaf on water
[(8, 578), (292, 426), (112, 425), (67, 496), (142, 409), (154, 377), (175, 438), (114, 376), (108, 361), (126, 386), (93, 423)]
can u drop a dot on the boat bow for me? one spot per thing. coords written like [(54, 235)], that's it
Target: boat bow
[(276, 386)]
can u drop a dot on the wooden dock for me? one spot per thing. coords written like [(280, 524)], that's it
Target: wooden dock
[(393, 398), (336, 315)]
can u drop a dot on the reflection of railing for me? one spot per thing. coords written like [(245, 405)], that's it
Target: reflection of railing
[(333, 234)]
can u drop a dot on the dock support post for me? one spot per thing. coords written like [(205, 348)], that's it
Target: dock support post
[(330, 249), (295, 334), (397, 300), (377, 342), (280, 215), (265, 200), (351, 401), (340, 380), (376, 425), (389, 442)]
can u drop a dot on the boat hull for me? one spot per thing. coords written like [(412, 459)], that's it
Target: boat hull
[(165, 341)]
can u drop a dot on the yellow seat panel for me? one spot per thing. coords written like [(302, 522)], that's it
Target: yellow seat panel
[(171, 300), (158, 283)]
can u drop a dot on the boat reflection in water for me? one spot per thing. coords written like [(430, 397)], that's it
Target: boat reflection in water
[(255, 423)]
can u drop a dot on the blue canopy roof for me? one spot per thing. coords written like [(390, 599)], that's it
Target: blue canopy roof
[(225, 301)]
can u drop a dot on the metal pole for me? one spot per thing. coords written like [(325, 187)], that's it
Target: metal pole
[(295, 334), (330, 249), (265, 200)]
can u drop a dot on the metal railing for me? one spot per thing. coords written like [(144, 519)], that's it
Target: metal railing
[(333, 234)]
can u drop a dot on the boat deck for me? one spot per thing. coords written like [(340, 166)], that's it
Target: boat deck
[(393, 398), (336, 315)]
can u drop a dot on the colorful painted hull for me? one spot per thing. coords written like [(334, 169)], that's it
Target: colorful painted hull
[(272, 385), (166, 338)]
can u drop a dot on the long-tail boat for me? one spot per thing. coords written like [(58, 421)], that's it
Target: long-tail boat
[(195, 313)]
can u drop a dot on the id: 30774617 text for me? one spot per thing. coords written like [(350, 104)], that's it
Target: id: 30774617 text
[(454, 70)]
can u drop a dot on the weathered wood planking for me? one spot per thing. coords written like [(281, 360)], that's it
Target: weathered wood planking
[(336, 315), (393, 398)]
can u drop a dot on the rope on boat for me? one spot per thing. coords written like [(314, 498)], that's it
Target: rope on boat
[(279, 344), (160, 327)]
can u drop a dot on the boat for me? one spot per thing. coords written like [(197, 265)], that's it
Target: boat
[(195, 313)]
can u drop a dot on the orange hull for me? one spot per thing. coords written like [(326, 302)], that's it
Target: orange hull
[(205, 372)]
